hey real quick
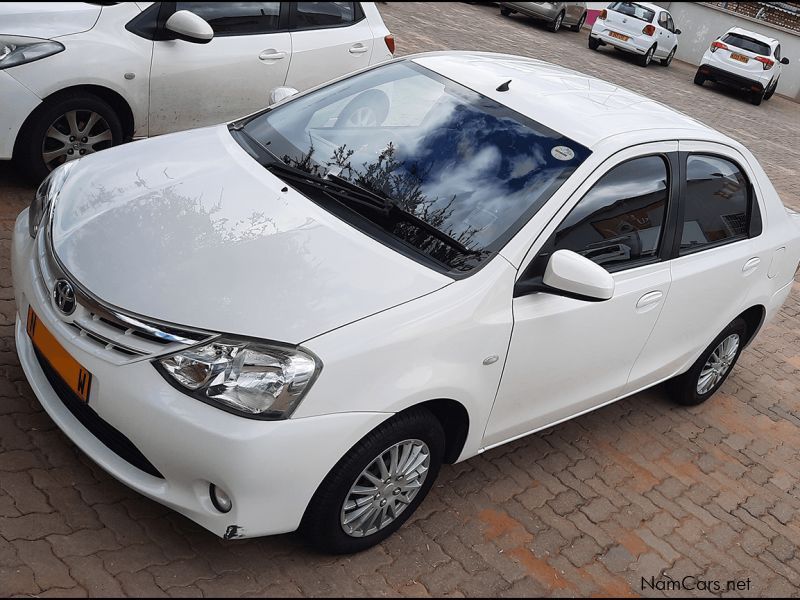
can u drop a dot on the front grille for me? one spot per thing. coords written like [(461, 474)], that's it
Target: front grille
[(110, 333), (112, 438)]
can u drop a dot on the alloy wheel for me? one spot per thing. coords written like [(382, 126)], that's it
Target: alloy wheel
[(73, 135), (385, 488), (718, 364)]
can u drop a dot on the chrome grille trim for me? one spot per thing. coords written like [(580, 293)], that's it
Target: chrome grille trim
[(130, 337)]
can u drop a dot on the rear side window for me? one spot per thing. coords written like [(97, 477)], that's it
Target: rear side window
[(716, 203), (619, 221), (746, 43), (631, 9), (237, 18), (317, 15)]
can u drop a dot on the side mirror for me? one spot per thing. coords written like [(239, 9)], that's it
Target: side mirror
[(188, 27), (281, 93), (677, 32), (578, 277), (784, 61)]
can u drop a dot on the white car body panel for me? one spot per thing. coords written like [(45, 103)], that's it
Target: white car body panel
[(220, 215), (170, 229), (176, 95)]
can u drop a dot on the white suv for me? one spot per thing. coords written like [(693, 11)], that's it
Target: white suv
[(645, 30), (79, 77), (743, 59)]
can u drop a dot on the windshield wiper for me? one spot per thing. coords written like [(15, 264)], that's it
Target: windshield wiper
[(406, 215)]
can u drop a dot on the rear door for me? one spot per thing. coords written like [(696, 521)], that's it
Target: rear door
[(193, 85), (664, 34), (716, 262), (329, 39)]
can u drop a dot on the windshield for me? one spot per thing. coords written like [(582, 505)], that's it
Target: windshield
[(460, 162)]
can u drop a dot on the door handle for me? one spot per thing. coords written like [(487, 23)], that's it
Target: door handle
[(358, 49), (271, 55), (650, 299), (751, 265)]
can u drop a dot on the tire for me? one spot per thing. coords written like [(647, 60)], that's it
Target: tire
[(647, 57), (322, 524), (555, 24), (686, 389), (594, 43), (368, 109), (506, 12), (756, 98), (667, 61), (54, 114), (579, 25), (699, 79), (771, 90)]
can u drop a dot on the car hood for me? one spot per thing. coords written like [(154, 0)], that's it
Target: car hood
[(189, 229), (47, 19)]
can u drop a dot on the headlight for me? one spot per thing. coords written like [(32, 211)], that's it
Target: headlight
[(18, 50), (47, 192), (251, 379)]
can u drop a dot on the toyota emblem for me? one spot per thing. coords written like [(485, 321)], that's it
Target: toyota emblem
[(64, 296)]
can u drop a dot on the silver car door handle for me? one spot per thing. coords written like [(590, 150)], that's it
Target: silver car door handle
[(271, 55), (650, 299), (358, 49), (751, 265)]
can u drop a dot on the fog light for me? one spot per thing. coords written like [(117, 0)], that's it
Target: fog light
[(219, 498)]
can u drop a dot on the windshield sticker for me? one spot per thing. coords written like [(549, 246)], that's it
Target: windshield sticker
[(562, 153)]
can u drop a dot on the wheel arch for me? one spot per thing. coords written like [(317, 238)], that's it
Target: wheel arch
[(454, 418), (754, 318), (114, 99)]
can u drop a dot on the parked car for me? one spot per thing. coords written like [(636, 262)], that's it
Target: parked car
[(76, 78), (745, 60), (555, 14), (646, 30), (293, 320)]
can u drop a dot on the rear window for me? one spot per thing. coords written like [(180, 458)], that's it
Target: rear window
[(747, 43), (631, 9)]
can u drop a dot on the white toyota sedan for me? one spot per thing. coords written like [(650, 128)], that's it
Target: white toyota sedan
[(293, 320), (79, 77)]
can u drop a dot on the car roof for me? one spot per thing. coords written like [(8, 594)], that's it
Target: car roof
[(752, 34), (581, 107)]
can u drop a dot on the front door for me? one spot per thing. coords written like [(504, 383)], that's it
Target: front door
[(194, 85), (568, 356)]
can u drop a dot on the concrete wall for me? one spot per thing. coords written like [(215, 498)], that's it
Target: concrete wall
[(701, 24)]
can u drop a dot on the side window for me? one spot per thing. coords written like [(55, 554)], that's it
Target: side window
[(778, 52), (716, 204), (237, 18), (619, 221), (318, 15), (670, 23), (662, 20)]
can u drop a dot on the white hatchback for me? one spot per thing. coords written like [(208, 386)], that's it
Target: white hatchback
[(293, 320), (745, 60), (76, 78), (639, 28)]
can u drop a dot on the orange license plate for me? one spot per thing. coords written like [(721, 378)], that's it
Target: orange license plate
[(740, 57), (74, 375), (619, 36)]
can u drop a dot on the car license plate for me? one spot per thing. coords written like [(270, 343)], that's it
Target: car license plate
[(740, 57), (619, 36), (70, 370)]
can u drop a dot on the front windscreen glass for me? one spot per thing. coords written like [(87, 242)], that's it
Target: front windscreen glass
[(452, 159)]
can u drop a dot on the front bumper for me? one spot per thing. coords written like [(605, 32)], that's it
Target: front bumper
[(17, 103), (270, 469), (638, 44)]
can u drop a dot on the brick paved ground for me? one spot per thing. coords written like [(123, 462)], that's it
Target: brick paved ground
[(588, 507)]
